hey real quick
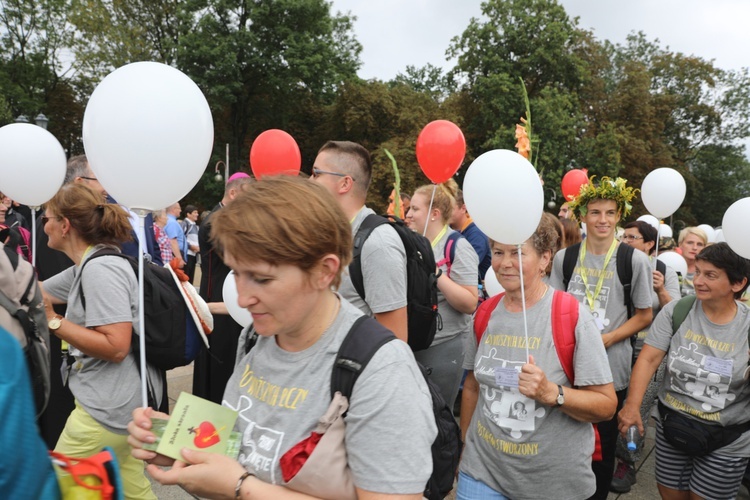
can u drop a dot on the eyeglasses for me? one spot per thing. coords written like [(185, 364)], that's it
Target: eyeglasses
[(46, 219), (631, 237), (318, 172), (89, 178)]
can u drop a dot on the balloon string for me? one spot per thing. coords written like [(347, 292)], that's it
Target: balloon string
[(141, 313), (523, 303), (429, 210), (33, 237), (656, 250)]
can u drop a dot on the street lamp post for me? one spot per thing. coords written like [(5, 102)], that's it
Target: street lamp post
[(41, 121), (217, 177), (551, 203)]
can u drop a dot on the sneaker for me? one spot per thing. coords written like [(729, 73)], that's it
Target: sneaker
[(623, 478)]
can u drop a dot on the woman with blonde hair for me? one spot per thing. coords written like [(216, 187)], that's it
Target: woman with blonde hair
[(102, 313), (690, 242), (287, 258), (457, 283)]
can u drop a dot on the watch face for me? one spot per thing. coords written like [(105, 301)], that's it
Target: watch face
[(560, 399), (55, 323)]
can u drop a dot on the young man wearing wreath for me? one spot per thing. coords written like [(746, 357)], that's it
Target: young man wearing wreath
[(596, 280)]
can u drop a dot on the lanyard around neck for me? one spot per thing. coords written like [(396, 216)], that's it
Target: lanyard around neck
[(582, 255), (440, 235)]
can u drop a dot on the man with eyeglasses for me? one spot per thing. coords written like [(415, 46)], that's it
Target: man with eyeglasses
[(345, 169)]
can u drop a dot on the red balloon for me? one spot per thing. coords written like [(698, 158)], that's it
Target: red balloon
[(440, 150), (572, 182), (275, 152)]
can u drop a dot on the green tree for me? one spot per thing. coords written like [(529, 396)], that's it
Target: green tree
[(723, 177), (383, 116), (5, 116), (265, 63), (33, 35), (429, 79), (35, 76), (667, 108), (112, 33), (537, 42)]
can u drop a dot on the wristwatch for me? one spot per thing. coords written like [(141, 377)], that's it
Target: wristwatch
[(560, 396), (55, 322)]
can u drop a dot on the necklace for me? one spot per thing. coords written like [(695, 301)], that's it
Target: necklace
[(515, 302)]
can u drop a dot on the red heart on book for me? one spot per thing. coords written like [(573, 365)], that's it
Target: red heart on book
[(205, 435)]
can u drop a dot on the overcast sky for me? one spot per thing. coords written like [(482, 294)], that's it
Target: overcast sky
[(397, 33)]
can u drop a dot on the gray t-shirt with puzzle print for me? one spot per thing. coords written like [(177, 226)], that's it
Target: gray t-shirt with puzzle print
[(510, 435), (707, 367), (609, 307), (280, 396)]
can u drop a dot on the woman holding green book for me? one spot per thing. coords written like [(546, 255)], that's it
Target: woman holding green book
[(287, 242)]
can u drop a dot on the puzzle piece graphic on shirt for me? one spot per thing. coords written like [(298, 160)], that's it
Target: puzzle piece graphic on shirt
[(687, 365), (578, 288), (515, 413), (508, 408)]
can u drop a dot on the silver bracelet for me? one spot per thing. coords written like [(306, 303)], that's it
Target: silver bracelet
[(239, 485)]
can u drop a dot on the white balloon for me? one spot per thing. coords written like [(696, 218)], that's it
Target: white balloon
[(719, 236), (734, 227), (665, 231), (675, 261), (229, 292), (32, 164), (148, 134), (504, 196), (650, 219), (663, 191), (710, 232), (491, 284)]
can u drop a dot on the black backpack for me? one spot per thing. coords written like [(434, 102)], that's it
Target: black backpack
[(172, 338), (22, 314), (364, 339), (421, 282)]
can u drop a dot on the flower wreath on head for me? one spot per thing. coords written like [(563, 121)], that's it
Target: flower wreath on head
[(607, 189)]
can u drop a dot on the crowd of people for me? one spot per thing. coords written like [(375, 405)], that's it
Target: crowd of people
[(590, 338)]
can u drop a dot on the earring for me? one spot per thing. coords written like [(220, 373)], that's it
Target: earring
[(433, 218)]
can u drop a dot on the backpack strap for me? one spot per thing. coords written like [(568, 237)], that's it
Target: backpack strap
[(99, 253), (569, 263), (681, 311), (449, 252), (625, 274), (564, 321), (482, 316), (355, 267), (364, 339)]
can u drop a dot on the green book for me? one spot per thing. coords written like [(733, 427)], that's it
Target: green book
[(197, 424)]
